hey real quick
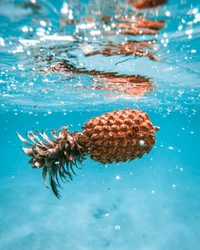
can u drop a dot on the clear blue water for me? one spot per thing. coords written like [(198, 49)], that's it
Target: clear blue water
[(152, 203)]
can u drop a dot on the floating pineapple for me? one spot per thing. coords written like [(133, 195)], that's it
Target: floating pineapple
[(118, 136)]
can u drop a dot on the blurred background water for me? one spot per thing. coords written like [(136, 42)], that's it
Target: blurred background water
[(64, 62)]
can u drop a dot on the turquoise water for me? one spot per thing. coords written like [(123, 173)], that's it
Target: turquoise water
[(151, 203)]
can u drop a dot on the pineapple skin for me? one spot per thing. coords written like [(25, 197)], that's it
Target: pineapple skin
[(118, 136)]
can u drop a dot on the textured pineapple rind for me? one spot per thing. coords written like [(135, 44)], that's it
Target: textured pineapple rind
[(118, 136)]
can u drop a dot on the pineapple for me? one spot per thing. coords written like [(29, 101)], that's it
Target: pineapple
[(118, 136)]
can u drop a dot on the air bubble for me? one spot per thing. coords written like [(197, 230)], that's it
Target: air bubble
[(141, 143)]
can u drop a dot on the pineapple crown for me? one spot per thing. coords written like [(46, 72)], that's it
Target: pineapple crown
[(57, 156)]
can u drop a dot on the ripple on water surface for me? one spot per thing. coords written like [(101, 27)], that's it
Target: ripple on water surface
[(75, 56)]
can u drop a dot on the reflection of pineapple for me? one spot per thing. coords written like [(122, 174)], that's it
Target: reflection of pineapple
[(147, 4), (137, 86), (116, 136)]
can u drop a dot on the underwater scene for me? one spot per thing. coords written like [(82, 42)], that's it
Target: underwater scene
[(100, 124)]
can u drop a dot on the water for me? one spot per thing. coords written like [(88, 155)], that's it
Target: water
[(54, 74)]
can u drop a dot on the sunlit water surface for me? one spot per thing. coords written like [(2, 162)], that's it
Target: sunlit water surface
[(152, 203)]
